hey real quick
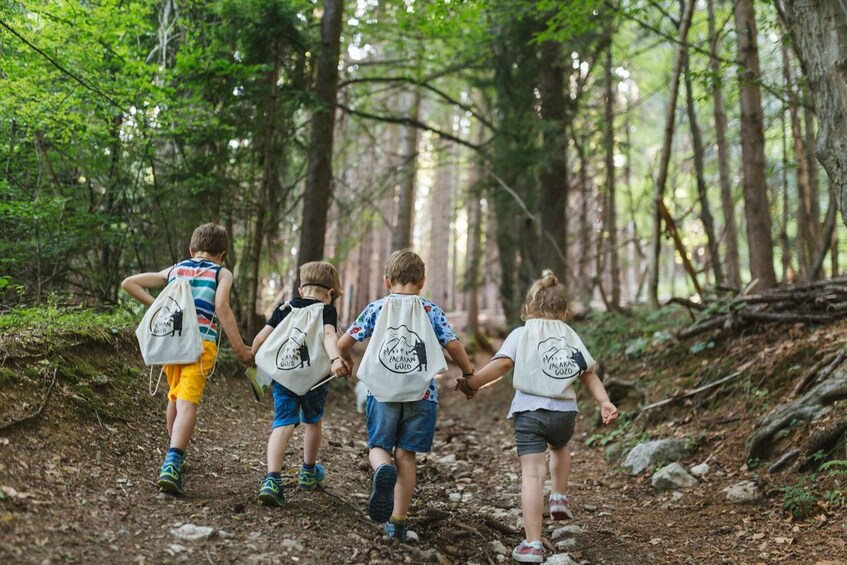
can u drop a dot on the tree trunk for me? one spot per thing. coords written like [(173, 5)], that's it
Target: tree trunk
[(705, 209), (411, 104), (819, 31), (319, 176), (611, 204), (784, 243), (806, 241), (814, 178), (759, 239), (733, 270), (664, 160), (553, 177), (585, 277)]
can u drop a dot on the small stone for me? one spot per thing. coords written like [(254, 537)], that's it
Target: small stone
[(455, 497), (589, 507), (672, 476), (292, 545), (700, 470), (567, 531), (176, 548), (498, 548), (448, 459), (566, 543), (412, 537), (190, 532), (561, 559), (676, 495), (654, 452), (745, 491)]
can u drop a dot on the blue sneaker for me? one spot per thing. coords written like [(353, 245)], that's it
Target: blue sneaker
[(396, 530), (381, 503), (308, 480), (271, 493), (170, 477)]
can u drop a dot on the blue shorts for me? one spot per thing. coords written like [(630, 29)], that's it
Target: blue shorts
[(407, 425), (292, 409)]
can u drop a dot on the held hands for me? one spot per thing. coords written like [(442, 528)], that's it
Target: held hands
[(245, 356), (340, 368), (609, 412), (464, 387)]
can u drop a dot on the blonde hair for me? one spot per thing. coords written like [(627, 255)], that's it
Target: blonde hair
[(547, 298), (405, 267), (320, 274), (209, 238)]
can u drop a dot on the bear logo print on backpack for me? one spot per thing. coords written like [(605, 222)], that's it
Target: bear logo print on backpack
[(294, 353), (169, 333)]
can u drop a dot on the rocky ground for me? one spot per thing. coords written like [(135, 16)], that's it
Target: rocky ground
[(78, 483)]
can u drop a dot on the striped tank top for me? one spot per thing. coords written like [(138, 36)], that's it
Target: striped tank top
[(202, 275)]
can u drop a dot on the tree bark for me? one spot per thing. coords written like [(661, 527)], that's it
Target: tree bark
[(402, 238), (702, 191), (554, 176), (819, 31), (611, 200), (759, 239), (664, 159), (733, 269), (807, 228), (318, 190)]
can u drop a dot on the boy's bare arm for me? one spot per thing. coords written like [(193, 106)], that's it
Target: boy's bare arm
[(227, 319), (339, 366), (460, 356), (595, 386), (136, 285), (345, 348), (260, 339)]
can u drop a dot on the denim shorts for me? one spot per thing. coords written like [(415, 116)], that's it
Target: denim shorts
[(407, 425), (536, 429), (292, 409)]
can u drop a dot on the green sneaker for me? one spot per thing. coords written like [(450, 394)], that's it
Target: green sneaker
[(271, 492), (396, 529), (170, 477), (308, 480)]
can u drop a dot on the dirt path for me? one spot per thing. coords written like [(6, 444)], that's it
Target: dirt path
[(82, 490)]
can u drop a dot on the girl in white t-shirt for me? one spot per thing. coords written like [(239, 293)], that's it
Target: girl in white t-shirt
[(547, 356)]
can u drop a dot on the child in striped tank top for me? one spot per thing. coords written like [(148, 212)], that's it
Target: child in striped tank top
[(210, 287)]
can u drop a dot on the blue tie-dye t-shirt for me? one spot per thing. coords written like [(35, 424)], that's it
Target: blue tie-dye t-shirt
[(363, 327)]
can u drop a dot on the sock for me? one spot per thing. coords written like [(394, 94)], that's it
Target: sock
[(398, 519), (275, 475), (309, 468)]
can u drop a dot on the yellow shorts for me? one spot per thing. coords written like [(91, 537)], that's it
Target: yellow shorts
[(186, 382)]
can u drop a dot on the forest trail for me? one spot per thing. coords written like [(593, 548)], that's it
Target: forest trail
[(81, 489)]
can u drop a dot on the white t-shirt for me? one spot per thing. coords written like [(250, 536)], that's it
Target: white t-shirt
[(524, 402)]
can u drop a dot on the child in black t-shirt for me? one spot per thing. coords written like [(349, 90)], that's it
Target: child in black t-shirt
[(319, 283)]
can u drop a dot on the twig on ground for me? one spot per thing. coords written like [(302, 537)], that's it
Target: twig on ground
[(502, 528), (17, 421), (698, 390)]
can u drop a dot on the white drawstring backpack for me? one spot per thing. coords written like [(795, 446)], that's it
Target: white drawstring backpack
[(550, 356), (294, 353), (404, 354), (169, 333)]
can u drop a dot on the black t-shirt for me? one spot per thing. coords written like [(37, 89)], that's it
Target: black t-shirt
[(330, 313)]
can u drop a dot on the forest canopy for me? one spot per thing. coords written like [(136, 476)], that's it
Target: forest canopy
[(641, 150)]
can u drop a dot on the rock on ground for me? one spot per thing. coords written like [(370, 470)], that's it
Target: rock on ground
[(654, 452), (190, 532), (672, 476), (700, 470), (561, 559), (498, 548), (566, 531), (745, 491)]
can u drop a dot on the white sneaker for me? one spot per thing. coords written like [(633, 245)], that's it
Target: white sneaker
[(560, 507)]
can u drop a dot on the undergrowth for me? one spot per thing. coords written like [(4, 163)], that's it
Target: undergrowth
[(631, 332)]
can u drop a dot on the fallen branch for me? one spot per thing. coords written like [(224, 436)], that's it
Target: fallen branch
[(37, 414), (502, 528), (698, 390)]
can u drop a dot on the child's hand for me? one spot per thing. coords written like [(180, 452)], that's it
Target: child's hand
[(609, 412), (339, 368), (245, 355), (465, 388)]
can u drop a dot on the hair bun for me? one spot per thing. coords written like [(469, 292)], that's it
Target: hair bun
[(548, 278)]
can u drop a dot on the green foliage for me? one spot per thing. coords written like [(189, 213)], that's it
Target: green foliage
[(621, 428), (800, 499), (631, 333)]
